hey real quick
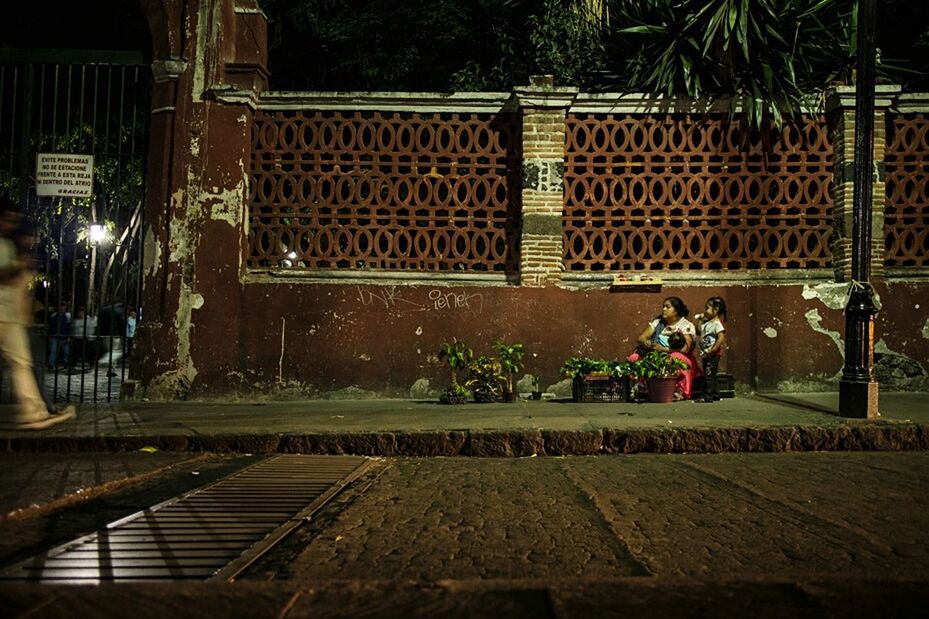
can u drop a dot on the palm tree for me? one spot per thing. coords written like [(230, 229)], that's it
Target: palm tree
[(765, 55)]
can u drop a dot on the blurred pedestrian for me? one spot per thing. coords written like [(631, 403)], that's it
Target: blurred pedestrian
[(31, 413), (130, 331), (59, 332)]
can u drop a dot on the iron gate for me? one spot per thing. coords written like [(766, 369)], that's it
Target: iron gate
[(87, 250)]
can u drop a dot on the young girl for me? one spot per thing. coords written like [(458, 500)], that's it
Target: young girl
[(711, 341)]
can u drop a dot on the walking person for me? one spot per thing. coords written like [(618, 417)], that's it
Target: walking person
[(59, 332), (30, 412), (130, 331)]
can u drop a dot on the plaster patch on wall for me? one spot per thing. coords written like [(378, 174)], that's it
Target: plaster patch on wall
[(816, 323), (226, 205), (175, 384), (151, 252), (423, 390), (203, 23), (830, 293), (770, 332), (179, 247), (925, 330), (364, 356)]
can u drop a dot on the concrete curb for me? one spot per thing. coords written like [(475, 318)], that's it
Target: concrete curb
[(881, 436)]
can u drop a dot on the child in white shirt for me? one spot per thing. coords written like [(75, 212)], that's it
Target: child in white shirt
[(710, 344)]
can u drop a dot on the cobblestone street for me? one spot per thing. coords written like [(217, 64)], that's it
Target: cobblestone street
[(732, 516)]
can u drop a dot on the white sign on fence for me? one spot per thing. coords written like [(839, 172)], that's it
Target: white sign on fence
[(61, 174)]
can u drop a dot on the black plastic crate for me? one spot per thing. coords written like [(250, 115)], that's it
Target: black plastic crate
[(606, 389)]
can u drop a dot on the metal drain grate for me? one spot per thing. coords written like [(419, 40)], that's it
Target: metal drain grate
[(213, 532)]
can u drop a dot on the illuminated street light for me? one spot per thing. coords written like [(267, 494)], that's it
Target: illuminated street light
[(96, 233)]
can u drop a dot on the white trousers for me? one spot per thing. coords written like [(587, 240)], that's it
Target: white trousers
[(14, 344)]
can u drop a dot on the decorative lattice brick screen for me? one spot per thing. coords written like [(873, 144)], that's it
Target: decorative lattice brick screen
[(906, 211), (397, 191), (669, 192)]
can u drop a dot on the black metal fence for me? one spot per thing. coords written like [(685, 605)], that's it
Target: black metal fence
[(87, 250)]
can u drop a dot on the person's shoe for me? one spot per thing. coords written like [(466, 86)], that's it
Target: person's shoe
[(44, 422)]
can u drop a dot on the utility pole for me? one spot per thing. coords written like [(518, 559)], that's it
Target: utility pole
[(858, 390)]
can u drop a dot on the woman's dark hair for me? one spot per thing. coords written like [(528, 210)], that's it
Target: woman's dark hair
[(718, 304), (678, 306), (676, 341)]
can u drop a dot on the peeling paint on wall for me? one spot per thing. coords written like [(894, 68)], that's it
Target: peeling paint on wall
[(816, 323), (203, 22), (226, 205), (179, 248), (175, 383), (925, 330), (770, 332), (832, 294), (151, 253)]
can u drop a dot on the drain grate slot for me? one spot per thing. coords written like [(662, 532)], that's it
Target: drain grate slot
[(212, 532)]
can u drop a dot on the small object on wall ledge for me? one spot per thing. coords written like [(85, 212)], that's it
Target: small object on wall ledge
[(635, 283)]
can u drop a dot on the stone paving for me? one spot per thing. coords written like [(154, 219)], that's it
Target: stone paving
[(767, 535), (728, 516)]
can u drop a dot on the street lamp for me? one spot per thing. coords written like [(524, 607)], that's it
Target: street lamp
[(858, 389), (96, 233)]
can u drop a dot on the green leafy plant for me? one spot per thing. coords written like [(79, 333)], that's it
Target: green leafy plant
[(454, 395), (511, 361), (536, 388), (656, 364), (458, 356), (485, 379), (766, 55), (578, 367)]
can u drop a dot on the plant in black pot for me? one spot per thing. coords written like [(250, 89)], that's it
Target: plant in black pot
[(661, 372), (536, 389), (485, 379), (511, 362), (578, 368), (458, 356)]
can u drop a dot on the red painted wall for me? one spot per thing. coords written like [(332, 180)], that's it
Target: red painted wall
[(384, 338)]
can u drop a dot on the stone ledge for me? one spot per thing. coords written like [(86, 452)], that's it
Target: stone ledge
[(853, 436)]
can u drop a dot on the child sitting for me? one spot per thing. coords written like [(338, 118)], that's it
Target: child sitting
[(676, 344)]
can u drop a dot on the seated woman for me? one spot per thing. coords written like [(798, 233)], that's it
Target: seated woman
[(656, 336)]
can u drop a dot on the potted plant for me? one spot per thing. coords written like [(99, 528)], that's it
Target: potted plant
[(536, 391), (485, 379), (623, 375), (458, 356), (511, 362), (578, 368), (661, 372)]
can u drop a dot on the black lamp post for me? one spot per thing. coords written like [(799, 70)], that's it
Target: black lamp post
[(858, 390)]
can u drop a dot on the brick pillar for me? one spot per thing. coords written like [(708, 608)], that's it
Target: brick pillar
[(840, 109), (194, 238), (543, 112)]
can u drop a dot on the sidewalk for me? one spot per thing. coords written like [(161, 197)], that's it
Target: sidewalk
[(765, 423)]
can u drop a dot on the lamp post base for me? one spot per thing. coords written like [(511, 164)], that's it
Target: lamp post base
[(858, 400)]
